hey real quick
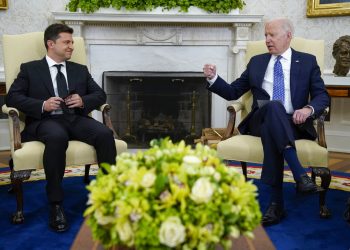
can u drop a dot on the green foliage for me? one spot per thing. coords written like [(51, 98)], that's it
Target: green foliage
[(211, 6)]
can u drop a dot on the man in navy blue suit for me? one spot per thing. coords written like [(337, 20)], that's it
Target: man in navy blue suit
[(288, 93), (56, 96)]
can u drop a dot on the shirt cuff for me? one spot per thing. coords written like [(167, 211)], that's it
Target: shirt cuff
[(211, 81), (42, 107), (312, 108)]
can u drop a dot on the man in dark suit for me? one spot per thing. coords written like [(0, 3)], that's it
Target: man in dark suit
[(56, 96), (288, 93)]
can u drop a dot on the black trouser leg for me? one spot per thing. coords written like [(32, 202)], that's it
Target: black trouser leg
[(53, 133), (274, 127)]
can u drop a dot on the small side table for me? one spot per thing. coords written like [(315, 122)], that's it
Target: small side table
[(337, 86), (84, 240)]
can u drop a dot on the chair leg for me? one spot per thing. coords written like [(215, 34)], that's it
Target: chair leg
[(17, 217), (17, 178), (86, 176), (244, 169), (325, 175), (10, 190)]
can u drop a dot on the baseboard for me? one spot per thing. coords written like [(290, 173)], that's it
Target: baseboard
[(338, 141), (4, 135)]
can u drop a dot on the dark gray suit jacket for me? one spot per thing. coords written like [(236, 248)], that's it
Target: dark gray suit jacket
[(33, 86)]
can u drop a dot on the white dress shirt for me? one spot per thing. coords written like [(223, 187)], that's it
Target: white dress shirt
[(53, 72)]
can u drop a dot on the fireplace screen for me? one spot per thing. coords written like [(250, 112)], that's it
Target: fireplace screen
[(153, 105)]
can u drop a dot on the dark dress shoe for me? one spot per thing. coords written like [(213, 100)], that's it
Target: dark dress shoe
[(57, 220), (306, 185), (273, 215)]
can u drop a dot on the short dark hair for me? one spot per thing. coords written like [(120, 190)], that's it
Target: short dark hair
[(52, 32)]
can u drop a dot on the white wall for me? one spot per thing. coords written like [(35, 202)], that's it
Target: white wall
[(27, 16)]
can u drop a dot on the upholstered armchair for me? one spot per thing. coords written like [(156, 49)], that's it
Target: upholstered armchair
[(27, 157), (247, 148)]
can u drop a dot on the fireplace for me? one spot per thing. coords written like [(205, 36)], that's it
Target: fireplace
[(153, 105), (132, 42)]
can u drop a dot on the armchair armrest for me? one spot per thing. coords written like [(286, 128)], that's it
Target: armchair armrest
[(321, 136), (236, 105), (105, 108), (13, 114), (7, 110), (232, 109)]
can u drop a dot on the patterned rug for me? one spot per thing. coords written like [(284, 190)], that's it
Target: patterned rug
[(40, 175), (340, 181)]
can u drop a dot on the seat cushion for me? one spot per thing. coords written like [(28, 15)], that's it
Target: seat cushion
[(248, 148), (30, 156)]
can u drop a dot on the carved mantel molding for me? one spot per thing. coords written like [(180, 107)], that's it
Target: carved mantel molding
[(240, 23)]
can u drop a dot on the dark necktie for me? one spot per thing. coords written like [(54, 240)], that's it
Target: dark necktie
[(278, 81), (62, 87)]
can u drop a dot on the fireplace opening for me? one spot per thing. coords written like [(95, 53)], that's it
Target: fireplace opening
[(154, 105)]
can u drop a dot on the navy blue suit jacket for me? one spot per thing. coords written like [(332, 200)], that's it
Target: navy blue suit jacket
[(306, 84)]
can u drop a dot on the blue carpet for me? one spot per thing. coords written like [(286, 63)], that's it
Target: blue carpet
[(302, 229)]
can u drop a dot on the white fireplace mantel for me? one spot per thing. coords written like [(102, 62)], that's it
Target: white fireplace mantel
[(164, 42), (118, 16)]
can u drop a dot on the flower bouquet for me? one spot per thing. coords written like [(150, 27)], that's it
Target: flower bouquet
[(171, 196)]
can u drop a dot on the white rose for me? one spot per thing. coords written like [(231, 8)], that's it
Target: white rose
[(103, 219), (191, 164), (172, 232), (191, 160), (125, 232), (202, 190), (148, 180)]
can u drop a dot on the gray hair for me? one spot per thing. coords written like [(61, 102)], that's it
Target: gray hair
[(286, 24)]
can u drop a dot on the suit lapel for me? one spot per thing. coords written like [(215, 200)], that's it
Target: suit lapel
[(261, 69), (70, 76), (295, 67), (46, 77)]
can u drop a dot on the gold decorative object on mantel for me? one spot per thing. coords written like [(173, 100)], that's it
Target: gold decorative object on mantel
[(3, 5), (318, 8)]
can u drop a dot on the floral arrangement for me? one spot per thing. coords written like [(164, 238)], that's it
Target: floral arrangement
[(171, 196)]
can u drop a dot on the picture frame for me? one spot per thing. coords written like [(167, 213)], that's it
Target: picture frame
[(3, 5), (319, 8)]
